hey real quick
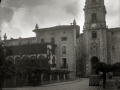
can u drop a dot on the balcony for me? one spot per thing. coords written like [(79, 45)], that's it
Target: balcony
[(63, 65), (53, 65)]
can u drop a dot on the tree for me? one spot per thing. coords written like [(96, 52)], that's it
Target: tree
[(33, 67), (2, 64), (7, 68), (116, 66), (102, 67)]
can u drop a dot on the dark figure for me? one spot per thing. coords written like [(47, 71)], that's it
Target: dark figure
[(104, 79)]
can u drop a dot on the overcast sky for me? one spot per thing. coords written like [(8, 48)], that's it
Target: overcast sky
[(19, 17)]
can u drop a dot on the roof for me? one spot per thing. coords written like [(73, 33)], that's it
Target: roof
[(113, 29), (61, 27), (20, 39)]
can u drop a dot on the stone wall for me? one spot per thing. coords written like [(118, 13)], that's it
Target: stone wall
[(113, 37), (70, 44)]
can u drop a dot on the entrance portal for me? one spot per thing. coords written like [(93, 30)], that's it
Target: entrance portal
[(94, 60)]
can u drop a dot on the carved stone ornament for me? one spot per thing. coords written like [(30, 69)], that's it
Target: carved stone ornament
[(94, 47)]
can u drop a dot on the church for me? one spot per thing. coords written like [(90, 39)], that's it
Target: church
[(100, 43), (70, 50)]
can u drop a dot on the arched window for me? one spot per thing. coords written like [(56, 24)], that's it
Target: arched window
[(11, 59), (94, 17), (41, 59), (25, 60), (94, 34), (17, 60), (32, 59)]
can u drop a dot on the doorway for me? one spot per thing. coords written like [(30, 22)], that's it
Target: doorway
[(94, 60)]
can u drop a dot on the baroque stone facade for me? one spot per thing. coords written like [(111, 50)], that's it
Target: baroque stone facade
[(100, 42)]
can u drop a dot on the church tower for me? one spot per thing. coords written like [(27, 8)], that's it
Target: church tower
[(94, 34)]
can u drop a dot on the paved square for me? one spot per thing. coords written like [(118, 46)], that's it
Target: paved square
[(82, 84)]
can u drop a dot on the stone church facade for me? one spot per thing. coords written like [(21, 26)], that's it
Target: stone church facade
[(100, 42)]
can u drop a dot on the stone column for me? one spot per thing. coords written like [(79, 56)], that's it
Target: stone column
[(42, 78), (58, 77), (27, 79), (15, 80), (50, 78), (64, 77)]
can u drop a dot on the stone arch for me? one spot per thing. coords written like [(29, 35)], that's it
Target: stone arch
[(94, 60), (11, 59), (17, 60), (25, 58), (40, 59), (33, 59)]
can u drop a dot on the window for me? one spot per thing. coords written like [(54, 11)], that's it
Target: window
[(63, 38), (94, 18), (93, 1), (52, 40), (63, 49), (42, 40), (94, 34), (64, 62)]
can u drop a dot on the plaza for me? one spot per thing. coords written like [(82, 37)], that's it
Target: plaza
[(78, 84)]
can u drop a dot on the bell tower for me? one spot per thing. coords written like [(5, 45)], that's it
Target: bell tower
[(94, 34), (95, 13)]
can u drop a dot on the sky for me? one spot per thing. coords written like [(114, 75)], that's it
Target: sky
[(19, 17)]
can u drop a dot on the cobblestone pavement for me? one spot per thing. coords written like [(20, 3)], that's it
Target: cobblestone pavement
[(81, 84)]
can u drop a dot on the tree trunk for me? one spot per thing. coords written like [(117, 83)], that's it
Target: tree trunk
[(104, 79)]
